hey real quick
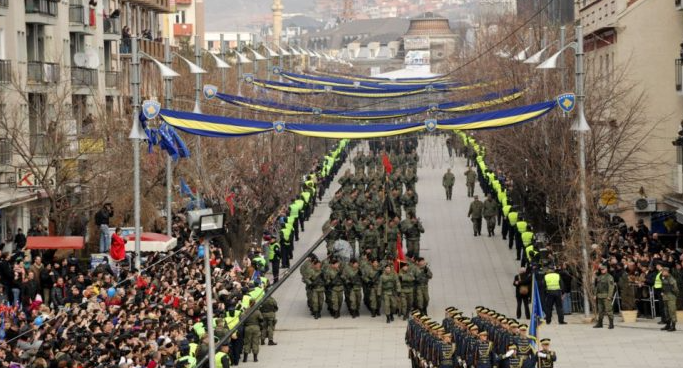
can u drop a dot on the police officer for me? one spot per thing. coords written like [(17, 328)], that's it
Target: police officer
[(604, 289), (274, 256), (475, 213), (448, 181), (553, 296), (223, 356)]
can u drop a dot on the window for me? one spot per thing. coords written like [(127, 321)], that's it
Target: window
[(2, 43), (35, 42), (5, 151), (180, 16)]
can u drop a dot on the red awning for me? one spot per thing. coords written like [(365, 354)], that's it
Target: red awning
[(55, 242)]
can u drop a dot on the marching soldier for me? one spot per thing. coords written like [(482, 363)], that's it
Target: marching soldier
[(490, 212), (470, 180), (409, 201), (316, 282), (485, 357), (354, 282), (407, 281), (512, 359), (422, 277), (411, 229), (475, 213), (546, 357), (525, 347), (604, 289), (334, 281), (389, 286), (448, 181)]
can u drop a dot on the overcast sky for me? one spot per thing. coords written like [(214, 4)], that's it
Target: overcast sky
[(228, 15)]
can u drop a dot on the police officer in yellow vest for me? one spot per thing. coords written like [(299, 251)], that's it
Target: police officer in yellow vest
[(223, 356), (527, 240), (521, 228), (505, 229), (657, 288), (512, 231), (186, 360), (553, 296)]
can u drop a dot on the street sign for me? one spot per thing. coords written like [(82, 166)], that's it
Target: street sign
[(25, 178)]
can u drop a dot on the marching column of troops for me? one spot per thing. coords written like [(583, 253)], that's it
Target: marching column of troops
[(487, 340), (372, 212)]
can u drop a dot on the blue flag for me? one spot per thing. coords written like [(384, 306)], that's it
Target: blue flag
[(2, 326), (537, 315), (185, 189)]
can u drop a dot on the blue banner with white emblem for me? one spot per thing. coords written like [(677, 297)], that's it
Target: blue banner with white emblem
[(277, 70), (210, 91), (567, 102), (430, 124), (150, 109), (249, 78), (279, 126)]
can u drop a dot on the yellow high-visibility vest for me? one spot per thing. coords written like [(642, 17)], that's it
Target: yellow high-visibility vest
[(552, 281)]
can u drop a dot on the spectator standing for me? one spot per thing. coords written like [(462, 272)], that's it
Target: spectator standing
[(522, 283), (102, 218), (19, 240)]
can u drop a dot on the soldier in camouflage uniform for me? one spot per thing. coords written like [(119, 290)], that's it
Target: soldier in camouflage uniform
[(475, 213), (353, 278), (409, 201), (422, 276), (335, 282), (389, 287)]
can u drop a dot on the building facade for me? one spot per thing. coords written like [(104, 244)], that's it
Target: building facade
[(643, 36), (63, 71), (185, 22)]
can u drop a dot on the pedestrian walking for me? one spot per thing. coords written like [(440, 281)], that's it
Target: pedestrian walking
[(522, 283), (470, 180), (490, 212)]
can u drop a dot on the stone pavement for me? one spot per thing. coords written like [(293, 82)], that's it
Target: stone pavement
[(468, 271)]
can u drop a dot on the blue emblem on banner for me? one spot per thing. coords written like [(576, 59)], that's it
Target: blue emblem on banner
[(356, 84), (249, 78), (277, 70), (328, 88), (279, 126), (317, 111), (429, 88), (567, 101), (430, 124), (150, 109), (210, 91), (433, 107)]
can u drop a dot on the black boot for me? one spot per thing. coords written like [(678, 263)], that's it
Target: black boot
[(271, 343), (598, 324), (673, 327), (255, 357), (372, 313), (263, 341), (405, 317), (244, 360), (388, 319), (611, 323), (392, 317), (666, 327)]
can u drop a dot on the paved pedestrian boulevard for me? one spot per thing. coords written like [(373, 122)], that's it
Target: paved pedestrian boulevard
[(468, 271)]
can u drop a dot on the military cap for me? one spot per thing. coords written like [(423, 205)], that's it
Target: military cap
[(425, 318), (416, 313), (545, 341), (450, 309), (432, 324), (523, 327), (474, 327), (447, 334), (440, 329), (483, 333), (500, 318), (504, 320), (467, 321), (491, 313), (514, 324), (478, 308), (484, 310)]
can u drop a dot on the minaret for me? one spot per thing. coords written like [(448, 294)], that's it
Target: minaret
[(277, 21)]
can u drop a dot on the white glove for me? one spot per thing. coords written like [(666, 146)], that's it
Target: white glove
[(542, 355), (509, 353)]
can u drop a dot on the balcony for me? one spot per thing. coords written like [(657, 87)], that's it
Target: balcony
[(78, 20), (162, 6), (152, 48), (182, 30), (42, 73), (83, 77), (41, 11), (679, 76), (112, 29), (111, 79), (5, 71)]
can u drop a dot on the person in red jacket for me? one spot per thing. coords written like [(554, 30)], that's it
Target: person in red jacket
[(118, 246)]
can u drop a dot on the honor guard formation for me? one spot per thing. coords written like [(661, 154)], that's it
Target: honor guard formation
[(487, 340)]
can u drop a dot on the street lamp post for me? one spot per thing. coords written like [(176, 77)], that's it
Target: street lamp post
[(136, 135), (168, 96), (580, 126)]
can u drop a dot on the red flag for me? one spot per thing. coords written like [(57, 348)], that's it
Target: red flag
[(387, 164), (229, 199), (400, 257)]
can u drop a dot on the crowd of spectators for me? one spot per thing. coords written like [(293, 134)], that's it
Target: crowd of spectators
[(58, 313)]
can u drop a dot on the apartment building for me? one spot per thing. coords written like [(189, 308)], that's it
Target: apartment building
[(185, 22), (61, 61), (644, 36)]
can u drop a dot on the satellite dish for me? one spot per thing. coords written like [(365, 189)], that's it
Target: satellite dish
[(80, 59), (93, 59)]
